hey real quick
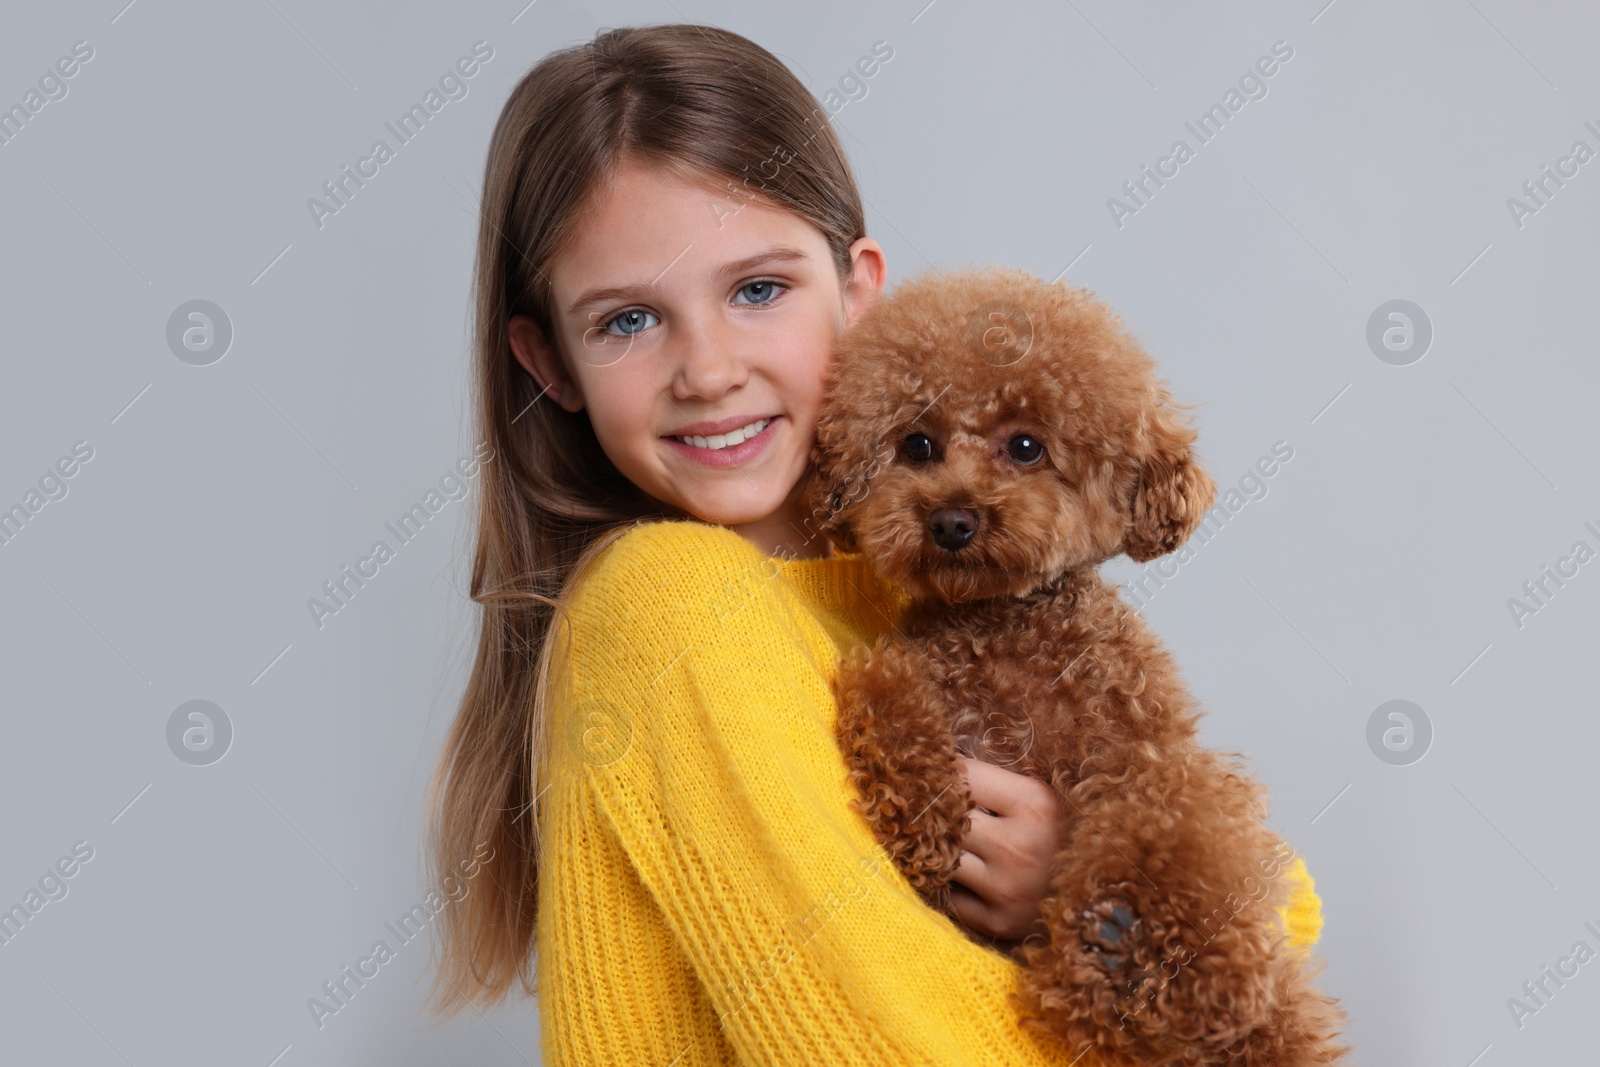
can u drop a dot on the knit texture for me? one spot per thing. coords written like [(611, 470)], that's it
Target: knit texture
[(706, 894)]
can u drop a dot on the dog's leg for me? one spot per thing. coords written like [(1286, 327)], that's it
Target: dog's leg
[(1161, 929), (894, 732)]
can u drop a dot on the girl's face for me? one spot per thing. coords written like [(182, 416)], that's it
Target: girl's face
[(696, 324)]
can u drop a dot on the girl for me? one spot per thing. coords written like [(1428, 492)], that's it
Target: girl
[(671, 242)]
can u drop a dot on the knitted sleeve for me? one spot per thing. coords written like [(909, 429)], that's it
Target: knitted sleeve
[(693, 718), (614, 987)]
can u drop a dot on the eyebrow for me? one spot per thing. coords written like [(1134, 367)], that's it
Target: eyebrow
[(776, 254)]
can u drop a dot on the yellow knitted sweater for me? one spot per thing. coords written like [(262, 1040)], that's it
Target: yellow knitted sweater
[(706, 895)]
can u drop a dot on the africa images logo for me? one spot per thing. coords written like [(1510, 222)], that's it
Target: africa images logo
[(338, 991), (342, 188), (454, 484)]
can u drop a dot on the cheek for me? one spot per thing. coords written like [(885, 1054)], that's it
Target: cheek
[(620, 405), (803, 361)]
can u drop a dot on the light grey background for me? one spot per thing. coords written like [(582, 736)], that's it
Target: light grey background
[(1378, 566)]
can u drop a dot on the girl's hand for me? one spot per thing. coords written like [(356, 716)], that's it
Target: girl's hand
[(1005, 872)]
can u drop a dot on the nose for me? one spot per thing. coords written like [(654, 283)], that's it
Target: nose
[(952, 528), (709, 361)]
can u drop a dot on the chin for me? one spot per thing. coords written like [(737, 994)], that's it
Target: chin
[(732, 513), (956, 581)]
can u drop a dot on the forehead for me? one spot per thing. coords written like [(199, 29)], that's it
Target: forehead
[(979, 404), (651, 226)]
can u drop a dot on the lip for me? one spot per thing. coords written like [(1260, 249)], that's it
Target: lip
[(741, 453), (711, 429)]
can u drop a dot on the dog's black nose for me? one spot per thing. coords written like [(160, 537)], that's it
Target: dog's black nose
[(952, 528)]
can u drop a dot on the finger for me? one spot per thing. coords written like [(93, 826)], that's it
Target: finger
[(965, 761), (974, 873), (995, 788), (983, 831), (972, 911)]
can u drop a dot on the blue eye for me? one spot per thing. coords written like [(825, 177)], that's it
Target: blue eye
[(631, 320), (765, 284)]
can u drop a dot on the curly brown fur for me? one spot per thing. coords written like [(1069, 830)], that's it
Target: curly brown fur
[(1160, 940)]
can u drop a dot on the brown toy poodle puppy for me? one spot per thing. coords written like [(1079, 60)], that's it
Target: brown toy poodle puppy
[(986, 441)]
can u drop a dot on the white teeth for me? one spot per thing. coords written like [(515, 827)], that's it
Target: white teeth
[(729, 439)]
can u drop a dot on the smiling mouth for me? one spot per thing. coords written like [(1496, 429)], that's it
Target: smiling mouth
[(717, 442)]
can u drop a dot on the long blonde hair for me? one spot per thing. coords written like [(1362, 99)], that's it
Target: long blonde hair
[(711, 105)]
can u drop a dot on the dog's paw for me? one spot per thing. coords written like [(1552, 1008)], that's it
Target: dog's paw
[(1108, 932), (1088, 980), (1166, 999)]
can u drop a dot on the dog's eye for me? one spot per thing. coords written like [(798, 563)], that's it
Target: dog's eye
[(919, 447), (1025, 449)]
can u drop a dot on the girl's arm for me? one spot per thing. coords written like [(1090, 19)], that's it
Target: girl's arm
[(692, 720), (693, 736), (613, 985)]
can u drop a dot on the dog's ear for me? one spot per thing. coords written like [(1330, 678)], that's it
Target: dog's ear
[(846, 454), (836, 480), (1172, 493)]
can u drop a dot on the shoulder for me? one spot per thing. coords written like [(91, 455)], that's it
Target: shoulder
[(684, 541), (665, 584), (667, 638), (676, 565), (632, 621)]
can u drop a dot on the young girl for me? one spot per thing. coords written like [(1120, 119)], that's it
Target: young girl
[(671, 242)]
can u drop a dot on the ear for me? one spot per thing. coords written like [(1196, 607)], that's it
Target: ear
[(1172, 493), (868, 270), (540, 359)]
